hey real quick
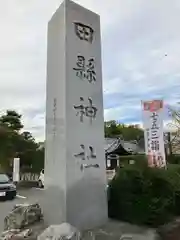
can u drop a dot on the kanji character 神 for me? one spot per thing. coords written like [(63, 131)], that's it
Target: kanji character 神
[(88, 111)]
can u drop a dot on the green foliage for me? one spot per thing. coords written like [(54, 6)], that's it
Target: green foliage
[(128, 132), (175, 126), (16, 144), (173, 159), (8, 137), (141, 158), (111, 129), (143, 195), (11, 120), (33, 162)]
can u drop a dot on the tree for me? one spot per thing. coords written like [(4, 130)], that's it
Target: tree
[(111, 129), (13, 143), (38, 160), (6, 146), (175, 125), (127, 132), (27, 136), (131, 132), (11, 120)]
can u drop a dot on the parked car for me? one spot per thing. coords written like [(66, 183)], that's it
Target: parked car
[(7, 188), (41, 179)]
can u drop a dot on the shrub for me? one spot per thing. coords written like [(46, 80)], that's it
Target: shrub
[(140, 158), (173, 159), (143, 195)]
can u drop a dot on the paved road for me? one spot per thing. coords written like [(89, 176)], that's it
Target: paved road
[(23, 196)]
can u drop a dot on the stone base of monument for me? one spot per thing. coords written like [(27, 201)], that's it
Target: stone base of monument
[(25, 222), (111, 231), (31, 232), (115, 230)]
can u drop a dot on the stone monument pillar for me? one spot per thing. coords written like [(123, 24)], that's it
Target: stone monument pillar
[(75, 176)]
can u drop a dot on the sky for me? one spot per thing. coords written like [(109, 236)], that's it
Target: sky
[(140, 56)]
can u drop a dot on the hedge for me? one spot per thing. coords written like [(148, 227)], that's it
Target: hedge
[(141, 158), (143, 195), (173, 159)]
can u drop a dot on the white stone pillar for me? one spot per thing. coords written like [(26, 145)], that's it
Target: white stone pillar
[(16, 169), (75, 176)]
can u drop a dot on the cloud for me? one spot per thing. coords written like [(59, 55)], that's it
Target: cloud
[(141, 56), (147, 61)]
